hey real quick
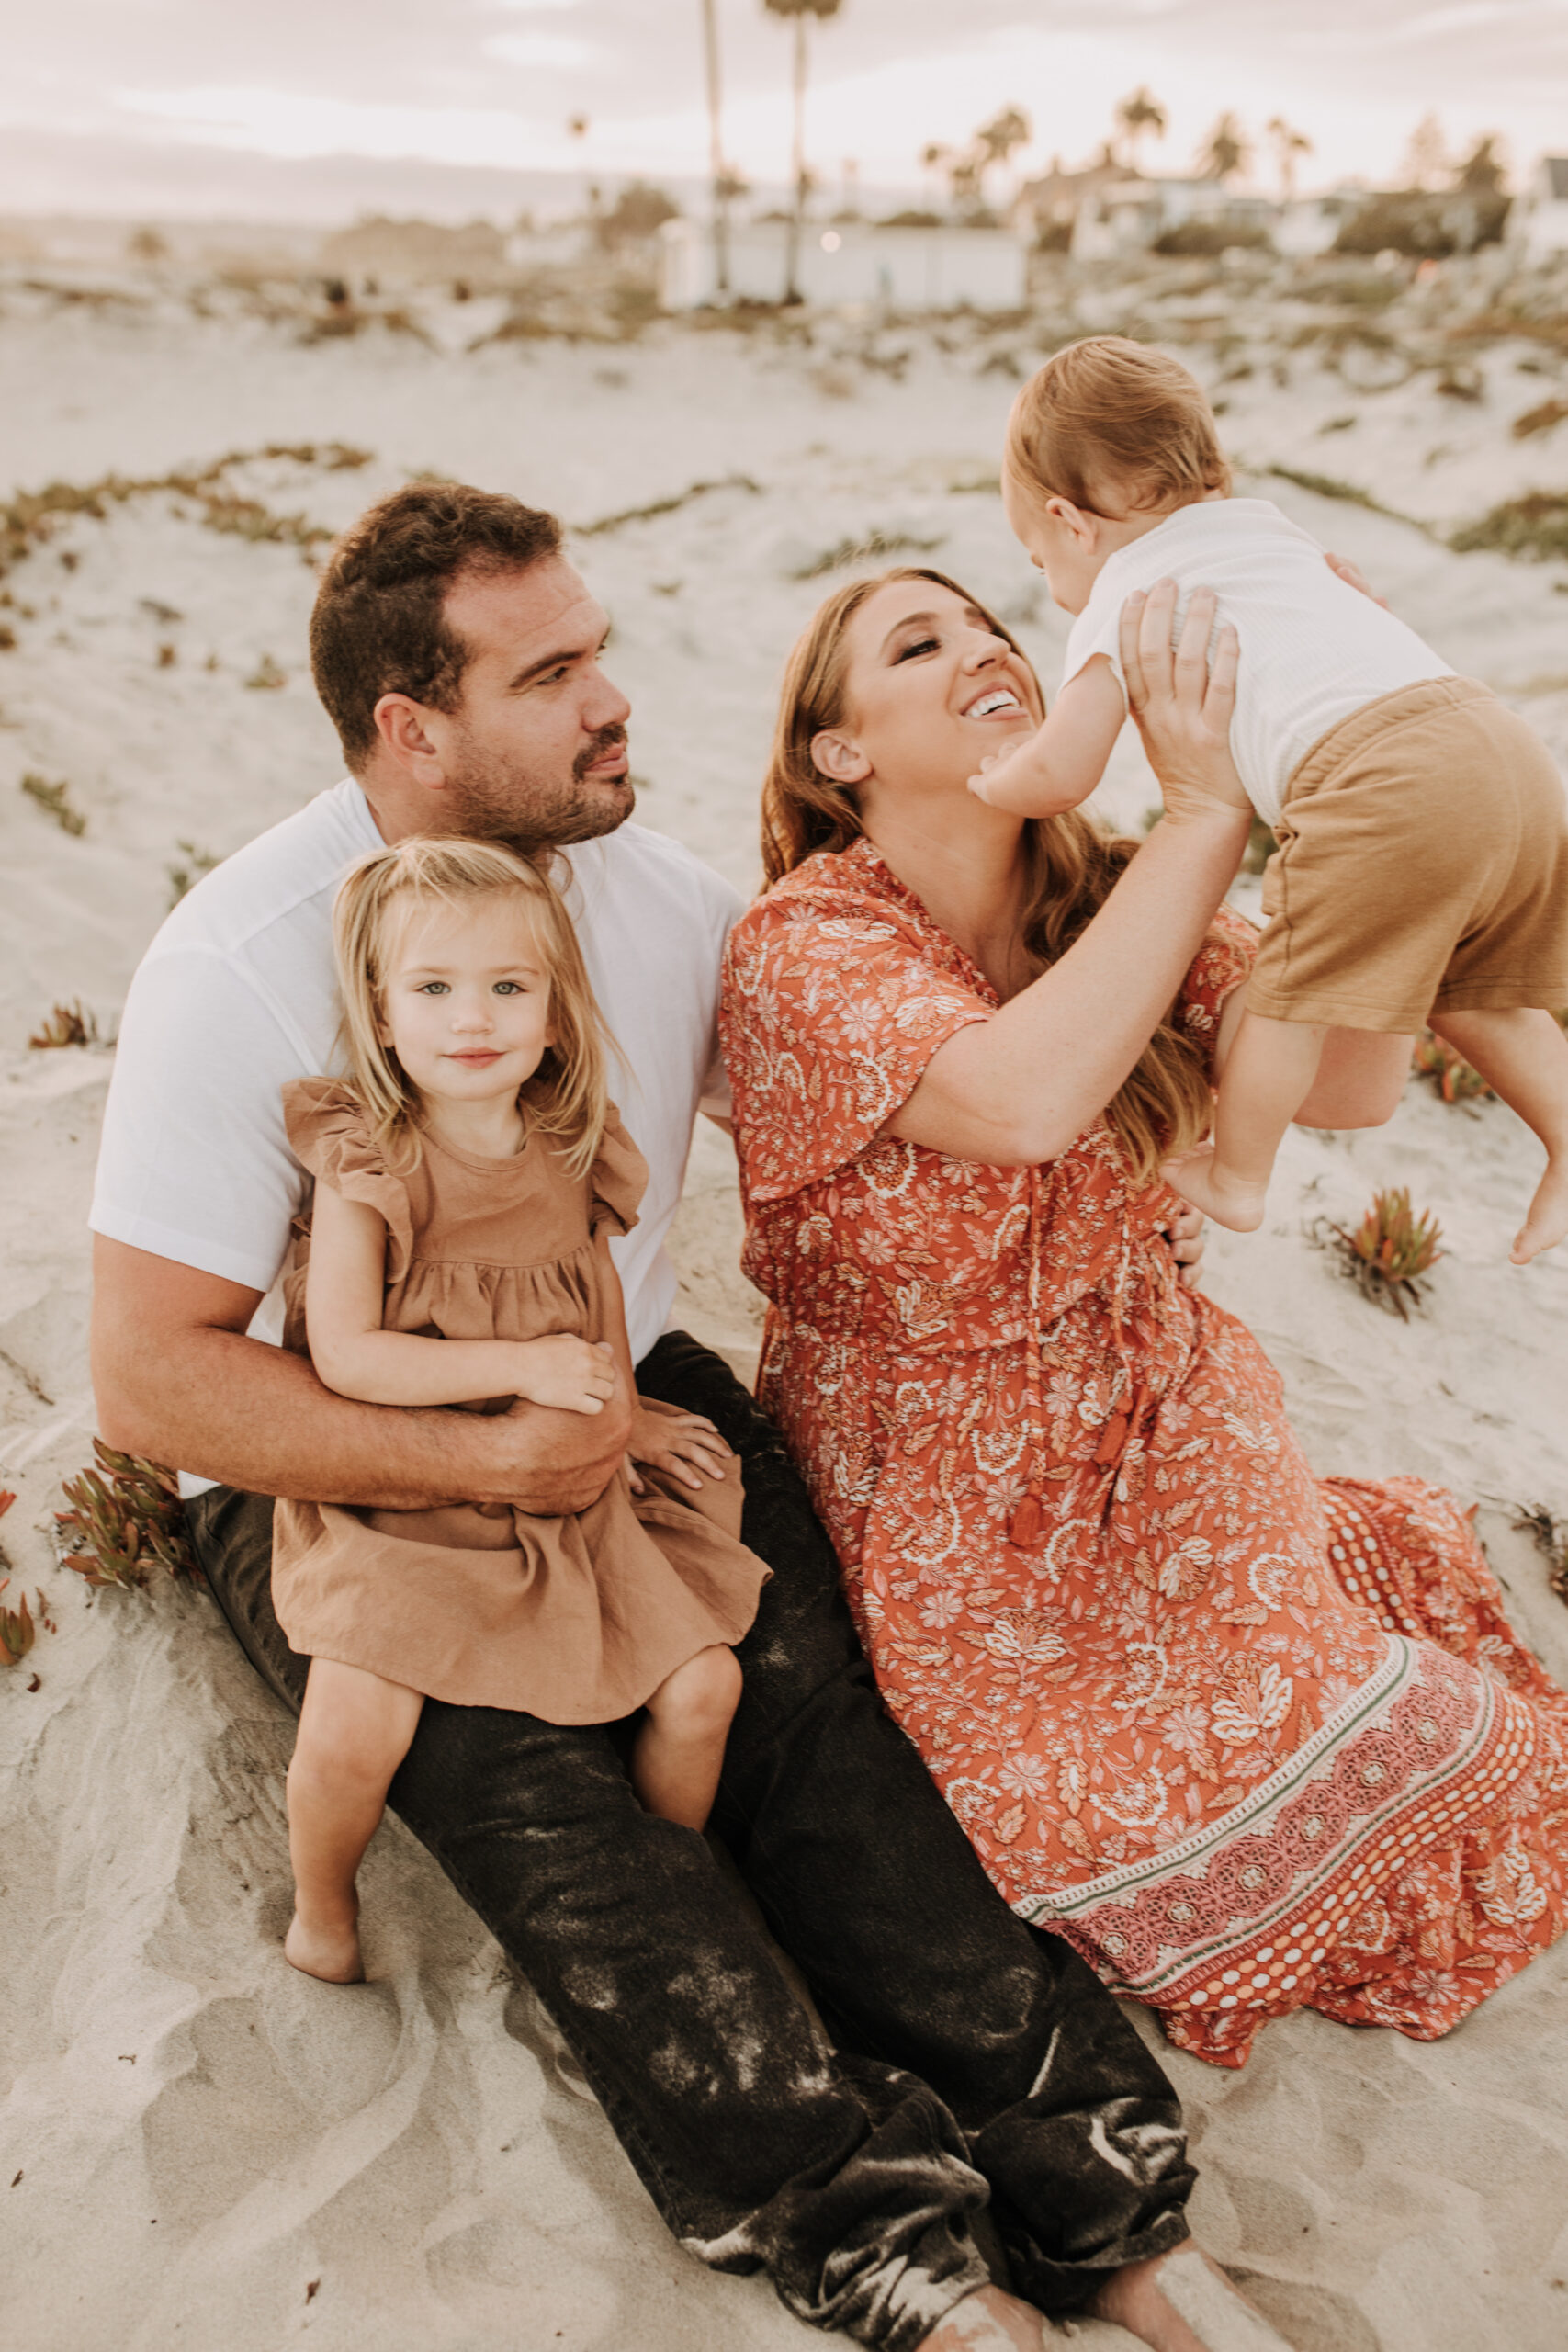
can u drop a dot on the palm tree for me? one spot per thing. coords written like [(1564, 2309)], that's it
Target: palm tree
[(721, 179), (997, 139), (799, 10), (1224, 152), (1136, 117), (1290, 145)]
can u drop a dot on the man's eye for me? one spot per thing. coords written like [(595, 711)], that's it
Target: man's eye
[(920, 645)]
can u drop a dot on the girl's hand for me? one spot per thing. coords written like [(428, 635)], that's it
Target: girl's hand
[(1182, 703), (575, 1376), (681, 1444)]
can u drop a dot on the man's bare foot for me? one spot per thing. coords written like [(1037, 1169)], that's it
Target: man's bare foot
[(988, 2321), (1184, 2302), (330, 1953), (1548, 1219), (1200, 1177)]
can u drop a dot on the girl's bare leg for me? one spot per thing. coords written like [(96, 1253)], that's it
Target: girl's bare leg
[(679, 1751), (1267, 1077), (354, 1731), (1522, 1056)]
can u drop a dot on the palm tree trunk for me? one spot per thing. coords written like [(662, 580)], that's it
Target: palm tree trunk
[(791, 257), (715, 150)]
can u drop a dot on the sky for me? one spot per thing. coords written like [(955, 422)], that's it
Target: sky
[(314, 109)]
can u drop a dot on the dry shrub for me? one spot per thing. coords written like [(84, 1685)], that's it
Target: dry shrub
[(266, 676), (1391, 1249), (1539, 420), (1549, 1536), (68, 1024), (1449, 1071), (1535, 525), (125, 1521), (54, 799)]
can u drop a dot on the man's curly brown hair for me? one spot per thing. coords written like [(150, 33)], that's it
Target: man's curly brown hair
[(379, 624)]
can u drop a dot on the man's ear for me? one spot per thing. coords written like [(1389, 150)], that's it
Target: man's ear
[(402, 725), (839, 757)]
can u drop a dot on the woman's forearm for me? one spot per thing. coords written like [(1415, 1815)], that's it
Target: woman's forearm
[(1019, 1088)]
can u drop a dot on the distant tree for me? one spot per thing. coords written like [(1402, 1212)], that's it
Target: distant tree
[(1427, 162), (799, 10), (147, 245), (639, 210), (715, 150), (1138, 118), (996, 140), (1290, 145), (1482, 171), (1224, 152)]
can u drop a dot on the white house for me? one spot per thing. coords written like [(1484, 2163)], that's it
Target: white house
[(1539, 222), (1128, 217), (903, 269)]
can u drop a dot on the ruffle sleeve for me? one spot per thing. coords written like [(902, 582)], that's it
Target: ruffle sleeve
[(829, 1020), (1221, 965), (618, 1180), (327, 1134)]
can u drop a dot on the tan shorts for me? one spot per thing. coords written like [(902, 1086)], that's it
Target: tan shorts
[(1422, 867)]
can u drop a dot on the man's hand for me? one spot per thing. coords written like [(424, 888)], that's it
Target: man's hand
[(681, 1444), (1183, 1231), (1182, 703), (554, 1463)]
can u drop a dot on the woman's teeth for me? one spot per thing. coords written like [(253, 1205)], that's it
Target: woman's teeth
[(988, 703)]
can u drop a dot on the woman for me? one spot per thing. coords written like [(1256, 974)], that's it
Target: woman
[(1251, 1740)]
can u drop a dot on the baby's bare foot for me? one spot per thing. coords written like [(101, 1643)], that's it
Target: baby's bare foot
[(1548, 1219), (1184, 2302), (330, 1953), (988, 2320), (1202, 1178)]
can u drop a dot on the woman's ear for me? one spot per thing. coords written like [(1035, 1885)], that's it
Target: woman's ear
[(839, 757)]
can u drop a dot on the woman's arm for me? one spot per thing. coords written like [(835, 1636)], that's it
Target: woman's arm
[(1022, 1086), (344, 1290)]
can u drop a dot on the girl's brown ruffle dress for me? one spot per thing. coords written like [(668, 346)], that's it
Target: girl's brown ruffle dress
[(573, 1619)]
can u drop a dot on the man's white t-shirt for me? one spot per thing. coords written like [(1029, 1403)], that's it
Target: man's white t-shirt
[(236, 995), (1313, 651)]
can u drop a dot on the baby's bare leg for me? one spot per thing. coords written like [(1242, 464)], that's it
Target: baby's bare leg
[(1266, 1079), (679, 1751), (1522, 1056), (354, 1731)]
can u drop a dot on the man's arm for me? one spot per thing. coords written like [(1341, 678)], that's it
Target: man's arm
[(178, 1382)]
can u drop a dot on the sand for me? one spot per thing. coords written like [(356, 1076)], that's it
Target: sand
[(213, 2152)]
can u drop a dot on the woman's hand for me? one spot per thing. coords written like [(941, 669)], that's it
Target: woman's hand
[(1182, 703), (1354, 577), (681, 1444)]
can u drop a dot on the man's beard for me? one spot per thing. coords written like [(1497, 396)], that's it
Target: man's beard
[(491, 801)]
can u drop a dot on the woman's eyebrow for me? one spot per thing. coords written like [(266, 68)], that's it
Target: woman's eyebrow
[(910, 620)]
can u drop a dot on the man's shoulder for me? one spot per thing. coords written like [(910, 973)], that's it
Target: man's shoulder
[(636, 859), (286, 876)]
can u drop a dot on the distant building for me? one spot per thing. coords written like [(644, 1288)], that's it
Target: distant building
[(1131, 216), (415, 251), (903, 269), (1538, 223), (1047, 210)]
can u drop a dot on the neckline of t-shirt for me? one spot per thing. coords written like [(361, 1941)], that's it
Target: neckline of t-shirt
[(1212, 507)]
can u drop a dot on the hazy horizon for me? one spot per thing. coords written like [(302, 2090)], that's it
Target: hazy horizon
[(181, 109)]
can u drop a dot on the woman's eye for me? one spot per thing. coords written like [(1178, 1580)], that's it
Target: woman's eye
[(920, 645)]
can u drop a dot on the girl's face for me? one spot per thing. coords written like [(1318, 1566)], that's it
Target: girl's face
[(930, 690), (465, 1003)]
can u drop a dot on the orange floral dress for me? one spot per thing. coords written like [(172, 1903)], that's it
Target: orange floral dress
[(1251, 1740)]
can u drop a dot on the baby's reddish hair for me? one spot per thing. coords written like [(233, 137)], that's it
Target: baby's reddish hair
[(1115, 427)]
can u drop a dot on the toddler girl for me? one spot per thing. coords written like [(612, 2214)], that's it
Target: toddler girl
[(1422, 873), (469, 1173)]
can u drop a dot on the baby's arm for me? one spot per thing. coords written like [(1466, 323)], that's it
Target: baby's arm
[(344, 1288), (1059, 766)]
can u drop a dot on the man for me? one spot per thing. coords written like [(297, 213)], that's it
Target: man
[(458, 655)]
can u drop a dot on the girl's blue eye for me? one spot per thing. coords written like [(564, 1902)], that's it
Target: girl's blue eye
[(507, 988), (432, 987)]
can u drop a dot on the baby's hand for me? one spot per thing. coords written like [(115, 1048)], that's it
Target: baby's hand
[(575, 1376), (674, 1443), (1016, 779)]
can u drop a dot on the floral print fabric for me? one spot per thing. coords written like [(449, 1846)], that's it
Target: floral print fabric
[(1250, 1739)]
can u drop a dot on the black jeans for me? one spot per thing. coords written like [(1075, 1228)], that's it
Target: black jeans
[(974, 2059)]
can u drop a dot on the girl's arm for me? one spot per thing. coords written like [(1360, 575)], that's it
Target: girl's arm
[(344, 1289), (1019, 1088), (1059, 766), (670, 1441)]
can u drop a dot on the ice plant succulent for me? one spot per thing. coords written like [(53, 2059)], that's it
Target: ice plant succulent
[(125, 1519), (17, 1630), (1449, 1071), (1392, 1248)]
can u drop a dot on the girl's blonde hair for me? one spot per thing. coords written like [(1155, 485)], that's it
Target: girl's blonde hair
[(569, 1096), (1110, 418), (1165, 1104)]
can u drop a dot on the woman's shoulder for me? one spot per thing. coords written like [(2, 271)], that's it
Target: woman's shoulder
[(850, 889)]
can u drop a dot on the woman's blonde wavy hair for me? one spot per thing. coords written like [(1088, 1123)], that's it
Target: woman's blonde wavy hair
[(567, 1097), (1165, 1104)]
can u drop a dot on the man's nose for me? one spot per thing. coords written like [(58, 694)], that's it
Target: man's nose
[(606, 705)]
